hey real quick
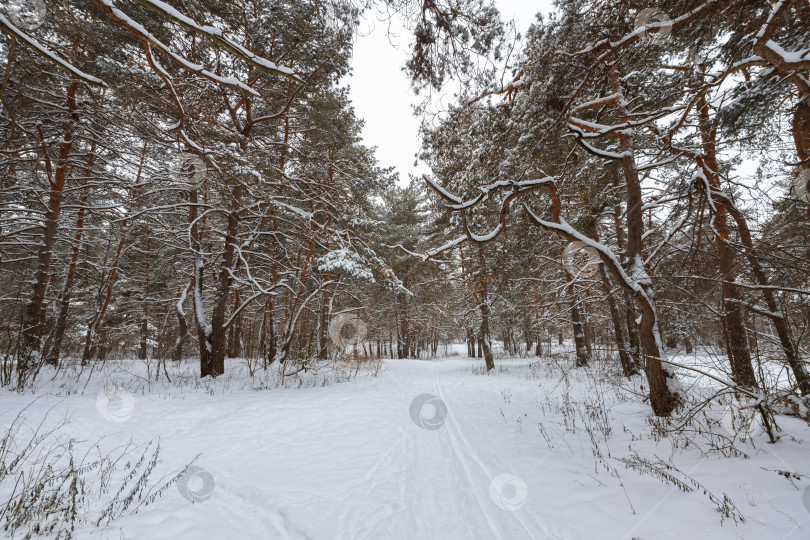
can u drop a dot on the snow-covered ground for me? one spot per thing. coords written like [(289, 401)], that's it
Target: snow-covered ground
[(524, 452)]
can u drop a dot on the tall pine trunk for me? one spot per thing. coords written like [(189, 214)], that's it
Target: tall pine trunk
[(216, 359), (629, 368), (145, 307), (54, 349), (733, 322), (486, 343), (34, 315), (582, 354), (663, 399)]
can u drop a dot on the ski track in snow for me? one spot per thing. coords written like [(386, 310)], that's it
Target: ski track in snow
[(347, 462)]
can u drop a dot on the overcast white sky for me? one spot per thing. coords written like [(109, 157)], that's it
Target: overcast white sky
[(381, 93)]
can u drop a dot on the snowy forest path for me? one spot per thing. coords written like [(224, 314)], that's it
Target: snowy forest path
[(465, 454), (516, 454), (349, 461), (428, 483)]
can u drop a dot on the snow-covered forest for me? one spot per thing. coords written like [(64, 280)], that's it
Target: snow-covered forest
[(222, 316)]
